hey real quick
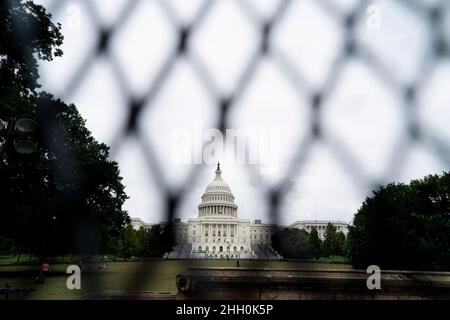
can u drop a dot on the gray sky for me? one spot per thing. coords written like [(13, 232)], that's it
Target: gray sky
[(362, 111)]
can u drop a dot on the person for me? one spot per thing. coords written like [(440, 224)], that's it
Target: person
[(45, 268), (237, 263)]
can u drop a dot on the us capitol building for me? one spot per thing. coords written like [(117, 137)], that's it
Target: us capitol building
[(218, 233)]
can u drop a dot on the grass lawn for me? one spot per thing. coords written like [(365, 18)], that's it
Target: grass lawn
[(156, 275)]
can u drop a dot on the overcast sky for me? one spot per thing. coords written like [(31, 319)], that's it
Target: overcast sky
[(362, 111)]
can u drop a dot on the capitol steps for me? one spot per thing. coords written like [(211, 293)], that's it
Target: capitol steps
[(265, 252)]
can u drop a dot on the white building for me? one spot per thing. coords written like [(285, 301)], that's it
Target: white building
[(320, 226), (218, 232)]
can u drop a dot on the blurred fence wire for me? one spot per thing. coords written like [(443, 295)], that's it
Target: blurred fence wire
[(351, 48), (433, 14)]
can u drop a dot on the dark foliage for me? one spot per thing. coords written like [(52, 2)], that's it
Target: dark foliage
[(66, 196), (404, 226)]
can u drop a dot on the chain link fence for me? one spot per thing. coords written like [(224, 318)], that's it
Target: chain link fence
[(348, 16)]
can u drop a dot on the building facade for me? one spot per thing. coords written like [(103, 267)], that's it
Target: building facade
[(218, 233)]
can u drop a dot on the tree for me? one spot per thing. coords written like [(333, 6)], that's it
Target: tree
[(341, 243), (142, 243), (67, 196), (27, 33), (6, 246), (315, 244), (404, 226), (292, 243), (128, 243), (160, 240), (330, 242)]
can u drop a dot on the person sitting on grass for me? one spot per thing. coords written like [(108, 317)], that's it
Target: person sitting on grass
[(45, 268)]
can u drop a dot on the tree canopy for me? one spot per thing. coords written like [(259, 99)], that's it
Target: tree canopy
[(404, 226), (27, 34), (154, 242), (299, 244), (67, 196)]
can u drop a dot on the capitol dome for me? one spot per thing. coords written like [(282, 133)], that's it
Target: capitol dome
[(218, 198)]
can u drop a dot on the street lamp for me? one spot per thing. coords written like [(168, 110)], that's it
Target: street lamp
[(20, 133), (3, 126), (24, 142)]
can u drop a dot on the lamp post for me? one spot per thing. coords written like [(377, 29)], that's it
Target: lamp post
[(18, 133)]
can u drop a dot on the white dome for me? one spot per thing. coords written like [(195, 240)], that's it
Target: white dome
[(217, 198), (218, 184)]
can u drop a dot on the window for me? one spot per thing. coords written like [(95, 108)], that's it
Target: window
[(199, 248)]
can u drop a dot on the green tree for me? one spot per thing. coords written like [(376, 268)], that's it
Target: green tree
[(128, 242), (67, 196), (404, 226), (315, 244), (160, 241), (27, 34), (341, 242), (142, 243), (6, 246), (292, 243), (330, 242)]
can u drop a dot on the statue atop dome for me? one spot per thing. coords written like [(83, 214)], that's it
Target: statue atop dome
[(218, 171)]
